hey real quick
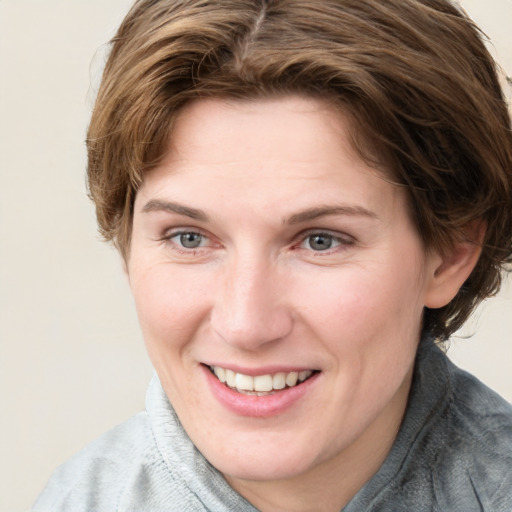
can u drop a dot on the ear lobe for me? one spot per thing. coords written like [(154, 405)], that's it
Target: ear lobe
[(452, 268)]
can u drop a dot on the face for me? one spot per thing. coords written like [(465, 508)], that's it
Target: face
[(267, 252)]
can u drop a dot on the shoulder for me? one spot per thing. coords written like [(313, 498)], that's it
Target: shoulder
[(454, 449), (124, 470), (95, 475), (474, 446), (121, 470)]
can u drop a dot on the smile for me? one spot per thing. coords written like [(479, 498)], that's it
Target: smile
[(260, 385)]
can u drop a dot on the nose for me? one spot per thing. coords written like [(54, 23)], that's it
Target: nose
[(250, 310)]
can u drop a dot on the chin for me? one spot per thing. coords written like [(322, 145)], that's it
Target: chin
[(261, 469), (263, 459)]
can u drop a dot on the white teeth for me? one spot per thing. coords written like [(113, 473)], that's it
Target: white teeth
[(291, 379), (279, 381), (261, 384), (230, 378), (244, 382), (221, 373)]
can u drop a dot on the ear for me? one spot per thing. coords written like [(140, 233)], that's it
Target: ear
[(449, 270)]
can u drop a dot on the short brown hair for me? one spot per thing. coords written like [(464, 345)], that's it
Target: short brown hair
[(413, 75)]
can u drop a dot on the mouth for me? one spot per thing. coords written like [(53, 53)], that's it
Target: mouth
[(260, 385)]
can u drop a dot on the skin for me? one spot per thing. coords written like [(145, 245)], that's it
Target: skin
[(266, 176)]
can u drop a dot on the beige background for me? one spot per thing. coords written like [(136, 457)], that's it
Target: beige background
[(72, 362)]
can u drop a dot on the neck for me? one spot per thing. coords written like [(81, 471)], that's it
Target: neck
[(331, 484)]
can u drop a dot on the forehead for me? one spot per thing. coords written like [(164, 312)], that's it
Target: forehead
[(272, 151), (275, 125)]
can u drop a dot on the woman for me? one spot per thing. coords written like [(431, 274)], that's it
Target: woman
[(307, 195)]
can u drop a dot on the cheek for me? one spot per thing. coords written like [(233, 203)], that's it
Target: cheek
[(172, 310), (362, 303), (170, 303)]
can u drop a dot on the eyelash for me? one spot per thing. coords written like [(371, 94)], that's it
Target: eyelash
[(341, 241)]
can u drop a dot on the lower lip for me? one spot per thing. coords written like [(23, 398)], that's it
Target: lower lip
[(257, 406)]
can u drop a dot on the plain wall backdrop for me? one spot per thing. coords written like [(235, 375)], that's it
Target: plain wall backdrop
[(72, 361)]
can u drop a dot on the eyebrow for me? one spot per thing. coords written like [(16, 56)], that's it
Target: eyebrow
[(323, 211), (156, 205)]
